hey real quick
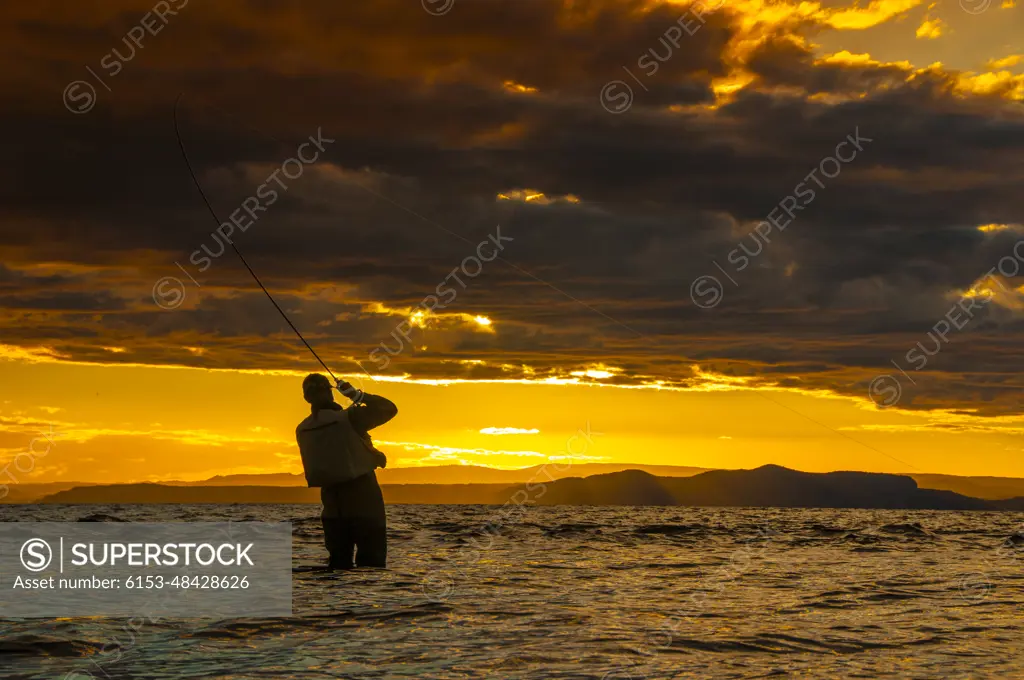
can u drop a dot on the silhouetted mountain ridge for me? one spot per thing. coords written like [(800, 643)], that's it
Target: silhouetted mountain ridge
[(141, 494), (766, 486), (989, 488), (454, 474)]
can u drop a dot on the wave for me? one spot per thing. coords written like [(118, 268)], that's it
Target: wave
[(101, 517), (30, 644)]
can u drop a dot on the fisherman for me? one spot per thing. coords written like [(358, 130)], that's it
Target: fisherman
[(339, 457)]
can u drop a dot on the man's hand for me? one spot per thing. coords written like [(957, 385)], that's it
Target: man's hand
[(347, 389)]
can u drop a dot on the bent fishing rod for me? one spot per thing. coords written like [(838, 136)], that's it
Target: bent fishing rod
[(213, 213)]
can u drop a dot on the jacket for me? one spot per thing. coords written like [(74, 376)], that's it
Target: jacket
[(335, 444)]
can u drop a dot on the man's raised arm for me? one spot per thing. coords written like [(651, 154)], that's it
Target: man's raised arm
[(368, 410)]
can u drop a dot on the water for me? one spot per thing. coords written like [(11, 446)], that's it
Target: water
[(606, 593)]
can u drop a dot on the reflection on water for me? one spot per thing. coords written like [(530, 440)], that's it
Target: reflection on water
[(607, 593)]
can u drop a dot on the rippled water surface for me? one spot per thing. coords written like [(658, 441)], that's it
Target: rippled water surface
[(609, 593)]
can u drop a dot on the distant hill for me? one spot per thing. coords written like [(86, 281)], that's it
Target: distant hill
[(276, 479), (144, 494), (457, 474), (141, 494), (767, 486), (582, 484), (434, 474), (979, 487), (475, 474), (30, 493)]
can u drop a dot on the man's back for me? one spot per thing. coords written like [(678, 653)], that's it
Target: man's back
[(333, 451)]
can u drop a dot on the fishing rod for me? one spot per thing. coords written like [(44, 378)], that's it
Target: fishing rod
[(195, 180)]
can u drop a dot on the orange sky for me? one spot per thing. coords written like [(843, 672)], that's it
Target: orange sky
[(125, 423)]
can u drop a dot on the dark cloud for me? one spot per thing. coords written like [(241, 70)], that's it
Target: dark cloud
[(432, 118)]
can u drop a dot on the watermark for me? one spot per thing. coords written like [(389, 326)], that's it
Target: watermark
[(470, 267), (616, 95), (80, 95), (886, 390), (24, 462), (439, 586), (437, 7), (974, 587), (54, 569), (707, 291), (36, 554), (113, 651), (975, 6), (169, 291)]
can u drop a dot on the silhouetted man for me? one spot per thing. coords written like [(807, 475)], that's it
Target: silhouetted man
[(339, 457)]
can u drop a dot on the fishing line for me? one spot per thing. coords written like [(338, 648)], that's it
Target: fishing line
[(216, 219)]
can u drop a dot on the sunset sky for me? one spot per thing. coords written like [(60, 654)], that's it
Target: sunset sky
[(616, 189)]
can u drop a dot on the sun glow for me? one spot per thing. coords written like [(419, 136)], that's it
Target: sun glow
[(597, 372)]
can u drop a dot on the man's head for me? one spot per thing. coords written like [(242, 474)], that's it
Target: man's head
[(316, 389)]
